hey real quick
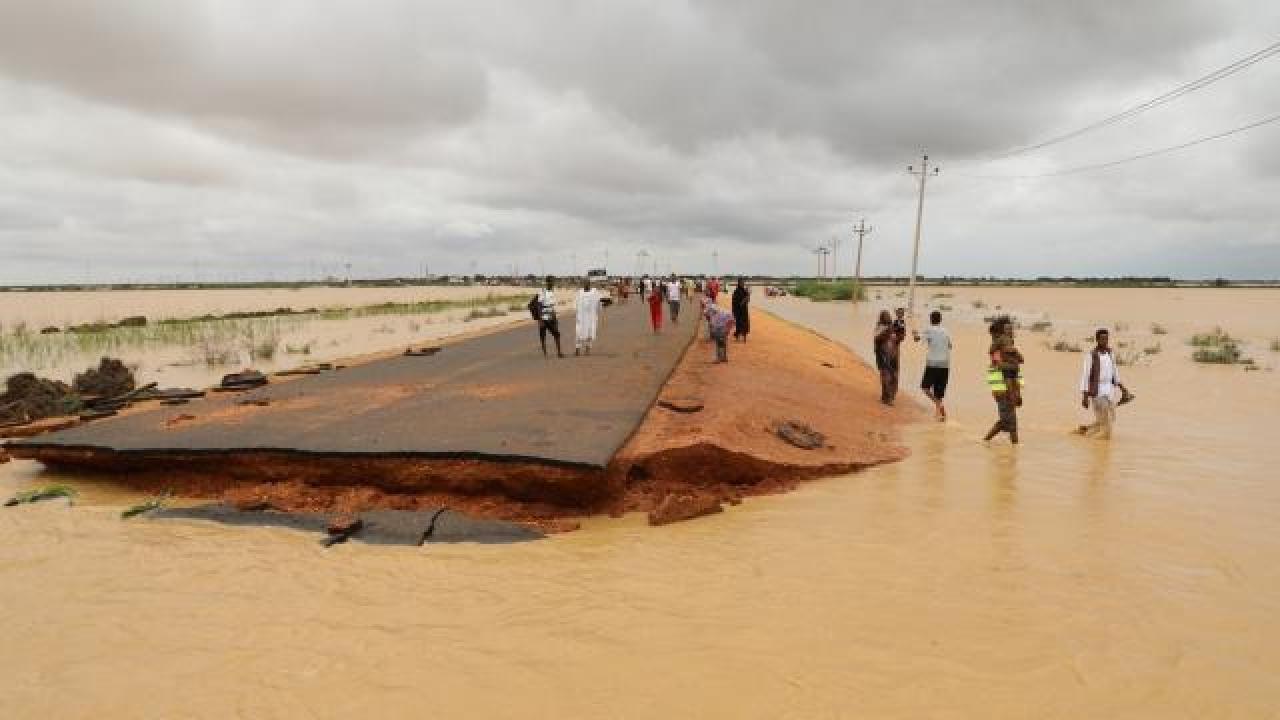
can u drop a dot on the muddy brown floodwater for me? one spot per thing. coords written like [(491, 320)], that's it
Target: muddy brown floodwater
[(1067, 578)]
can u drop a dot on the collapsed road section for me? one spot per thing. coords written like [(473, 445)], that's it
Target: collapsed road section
[(488, 415)]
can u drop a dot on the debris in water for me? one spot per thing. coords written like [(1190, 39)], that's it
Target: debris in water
[(48, 492), (28, 398), (109, 379), (154, 503), (244, 380)]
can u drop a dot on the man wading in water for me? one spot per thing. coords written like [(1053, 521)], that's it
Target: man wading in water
[(543, 307), (937, 364), (1003, 378), (1098, 385)]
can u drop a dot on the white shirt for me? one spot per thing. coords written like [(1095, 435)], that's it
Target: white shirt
[(548, 300), (673, 291), (939, 344), (1106, 374)]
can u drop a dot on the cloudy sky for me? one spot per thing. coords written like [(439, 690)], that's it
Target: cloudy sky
[(165, 139)]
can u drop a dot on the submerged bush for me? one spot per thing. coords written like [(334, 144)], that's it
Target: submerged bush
[(1223, 353), (827, 291), (1213, 338)]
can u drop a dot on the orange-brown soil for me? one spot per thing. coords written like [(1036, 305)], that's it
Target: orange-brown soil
[(730, 448), (724, 451)]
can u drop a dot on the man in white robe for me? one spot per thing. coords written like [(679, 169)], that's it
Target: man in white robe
[(588, 318)]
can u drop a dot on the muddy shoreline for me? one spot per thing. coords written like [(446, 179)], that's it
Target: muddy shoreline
[(726, 450)]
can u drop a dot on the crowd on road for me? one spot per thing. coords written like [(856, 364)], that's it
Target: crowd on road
[(1100, 386), (658, 293)]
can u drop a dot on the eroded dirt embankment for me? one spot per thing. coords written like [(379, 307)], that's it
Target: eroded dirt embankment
[(730, 448), (726, 450)]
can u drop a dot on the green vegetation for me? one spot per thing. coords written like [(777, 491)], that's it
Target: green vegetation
[(827, 291), (1158, 329), (154, 503), (1214, 338), (979, 305), (1041, 326), (1227, 353), (1275, 345), (213, 340), (1216, 347), (47, 492), (1065, 346), (477, 313), (1152, 350)]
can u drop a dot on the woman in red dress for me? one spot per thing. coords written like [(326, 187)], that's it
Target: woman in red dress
[(655, 306)]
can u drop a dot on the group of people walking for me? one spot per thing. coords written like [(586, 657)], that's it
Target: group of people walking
[(1098, 385), (656, 292)]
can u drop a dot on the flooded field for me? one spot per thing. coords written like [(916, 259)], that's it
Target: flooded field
[(1067, 577), (177, 348)]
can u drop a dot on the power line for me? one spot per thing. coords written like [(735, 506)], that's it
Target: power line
[(1169, 96), (1140, 156)]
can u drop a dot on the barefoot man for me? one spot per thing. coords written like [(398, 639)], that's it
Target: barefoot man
[(937, 363), (1098, 385)]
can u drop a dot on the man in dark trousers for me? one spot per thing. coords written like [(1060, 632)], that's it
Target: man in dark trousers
[(543, 308)]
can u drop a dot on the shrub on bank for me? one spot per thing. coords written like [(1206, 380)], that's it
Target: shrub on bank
[(827, 291)]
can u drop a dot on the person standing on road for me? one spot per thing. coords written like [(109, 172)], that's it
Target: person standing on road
[(673, 298), (886, 351), (741, 318), (1098, 384), (720, 321), (543, 306), (937, 363), (1002, 378), (587, 318), (654, 296)]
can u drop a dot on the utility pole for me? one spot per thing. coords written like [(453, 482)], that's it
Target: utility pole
[(923, 174), (863, 230), (835, 257)]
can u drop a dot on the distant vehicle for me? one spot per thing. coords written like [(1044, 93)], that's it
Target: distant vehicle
[(597, 272)]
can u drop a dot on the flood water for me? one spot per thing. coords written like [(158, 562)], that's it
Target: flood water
[(1065, 578), (206, 351)]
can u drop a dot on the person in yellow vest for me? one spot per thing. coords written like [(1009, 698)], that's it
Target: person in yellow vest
[(1004, 378)]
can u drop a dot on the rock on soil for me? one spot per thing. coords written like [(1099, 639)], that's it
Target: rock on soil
[(109, 379), (682, 404), (800, 435), (679, 507)]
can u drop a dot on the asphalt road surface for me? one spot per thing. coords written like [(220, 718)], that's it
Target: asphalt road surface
[(493, 396)]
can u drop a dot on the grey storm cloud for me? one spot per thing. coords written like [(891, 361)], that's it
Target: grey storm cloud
[(142, 136)]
